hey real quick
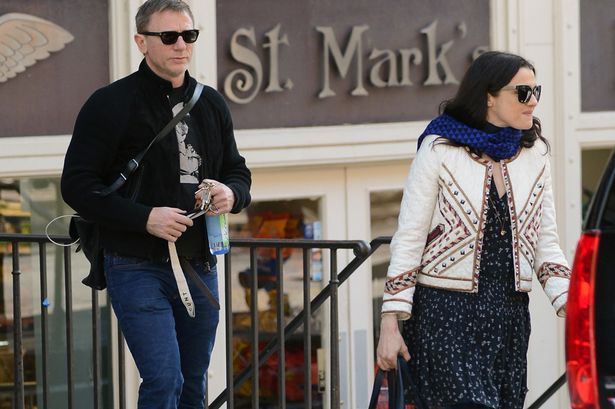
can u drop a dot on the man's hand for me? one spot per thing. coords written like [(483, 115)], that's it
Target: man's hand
[(168, 223), (222, 197)]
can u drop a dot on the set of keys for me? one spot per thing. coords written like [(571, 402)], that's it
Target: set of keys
[(203, 201)]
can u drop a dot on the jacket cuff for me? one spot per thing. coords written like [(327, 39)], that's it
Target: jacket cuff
[(238, 204), (400, 307), (138, 217), (555, 279), (560, 304)]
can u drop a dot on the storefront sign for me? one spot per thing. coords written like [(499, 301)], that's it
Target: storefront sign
[(53, 55), (294, 64)]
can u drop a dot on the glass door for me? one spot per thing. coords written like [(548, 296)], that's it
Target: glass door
[(286, 205)]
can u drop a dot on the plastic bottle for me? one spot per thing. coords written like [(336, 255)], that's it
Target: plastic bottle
[(217, 234)]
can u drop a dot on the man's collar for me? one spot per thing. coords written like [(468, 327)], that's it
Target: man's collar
[(164, 85)]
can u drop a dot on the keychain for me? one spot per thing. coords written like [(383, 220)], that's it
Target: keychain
[(203, 202)]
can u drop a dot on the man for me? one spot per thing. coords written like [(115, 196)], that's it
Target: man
[(172, 350)]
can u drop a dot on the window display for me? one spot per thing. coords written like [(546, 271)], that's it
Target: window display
[(282, 219), (26, 206)]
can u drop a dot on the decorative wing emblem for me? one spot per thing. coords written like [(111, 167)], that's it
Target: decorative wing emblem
[(24, 40)]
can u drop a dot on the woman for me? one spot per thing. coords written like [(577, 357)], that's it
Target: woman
[(477, 220)]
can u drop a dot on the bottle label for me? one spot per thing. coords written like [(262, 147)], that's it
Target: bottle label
[(217, 234)]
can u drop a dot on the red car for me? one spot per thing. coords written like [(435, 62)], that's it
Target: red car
[(590, 321)]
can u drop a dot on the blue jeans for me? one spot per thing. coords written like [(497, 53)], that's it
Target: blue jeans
[(171, 350)]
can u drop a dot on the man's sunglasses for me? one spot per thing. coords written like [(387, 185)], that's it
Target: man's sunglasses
[(170, 37), (524, 92)]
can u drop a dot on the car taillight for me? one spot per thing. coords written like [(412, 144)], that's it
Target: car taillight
[(580, 343)]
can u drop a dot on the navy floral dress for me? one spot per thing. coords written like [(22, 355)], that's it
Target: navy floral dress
[(472, 347)]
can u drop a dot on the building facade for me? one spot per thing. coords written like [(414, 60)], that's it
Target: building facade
[(328, 100)]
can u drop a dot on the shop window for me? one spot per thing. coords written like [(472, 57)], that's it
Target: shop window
[(282, 219), (26, 206), (593, 162), (597, 19)]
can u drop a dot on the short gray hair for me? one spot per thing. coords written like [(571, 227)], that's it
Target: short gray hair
[(150, 7)]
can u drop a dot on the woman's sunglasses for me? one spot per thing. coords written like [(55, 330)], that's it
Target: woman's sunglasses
[(525, 92), (170, 37)]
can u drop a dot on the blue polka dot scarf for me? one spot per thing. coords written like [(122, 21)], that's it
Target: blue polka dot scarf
[(502, 144)]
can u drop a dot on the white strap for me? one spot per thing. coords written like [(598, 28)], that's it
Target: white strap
[(180, 279), (53, 221)]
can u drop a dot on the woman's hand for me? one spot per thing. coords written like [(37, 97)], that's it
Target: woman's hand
[(391, 344)]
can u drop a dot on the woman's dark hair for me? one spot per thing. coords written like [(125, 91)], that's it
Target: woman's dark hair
[(488, 74)]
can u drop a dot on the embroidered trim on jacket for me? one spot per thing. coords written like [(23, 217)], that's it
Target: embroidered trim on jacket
[(454, 232), (514, 226), (529, 233), (537, 189), (451, 241), (548, 270), (464, 195), (401, 282), (398, 300), (558, 297), (481, 225), (434, 234), (530, 218)]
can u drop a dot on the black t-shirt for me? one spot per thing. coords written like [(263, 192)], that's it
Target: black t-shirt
[(191, 243)]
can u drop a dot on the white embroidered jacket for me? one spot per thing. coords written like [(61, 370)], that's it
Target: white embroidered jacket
[(442, 219)]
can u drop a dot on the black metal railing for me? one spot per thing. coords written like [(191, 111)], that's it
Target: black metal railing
[(283, 332), (16, 244), (337, 276)]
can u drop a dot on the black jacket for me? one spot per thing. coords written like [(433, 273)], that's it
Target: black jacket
[(115, 124)]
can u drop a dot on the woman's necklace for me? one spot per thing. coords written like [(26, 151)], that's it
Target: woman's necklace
[(497, 216)]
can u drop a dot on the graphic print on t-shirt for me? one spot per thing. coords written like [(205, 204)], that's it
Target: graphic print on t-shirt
[(189, 158), (191, 163)]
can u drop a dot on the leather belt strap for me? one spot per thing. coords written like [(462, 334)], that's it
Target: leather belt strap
[(180, 279), (194, 277), (181, 267)]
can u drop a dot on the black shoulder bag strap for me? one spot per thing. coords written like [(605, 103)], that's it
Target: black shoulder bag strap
[(134, 163)]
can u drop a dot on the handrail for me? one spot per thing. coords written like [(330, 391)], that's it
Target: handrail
[(361, 254), (555, 386), (34, 238), (361, 251)]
